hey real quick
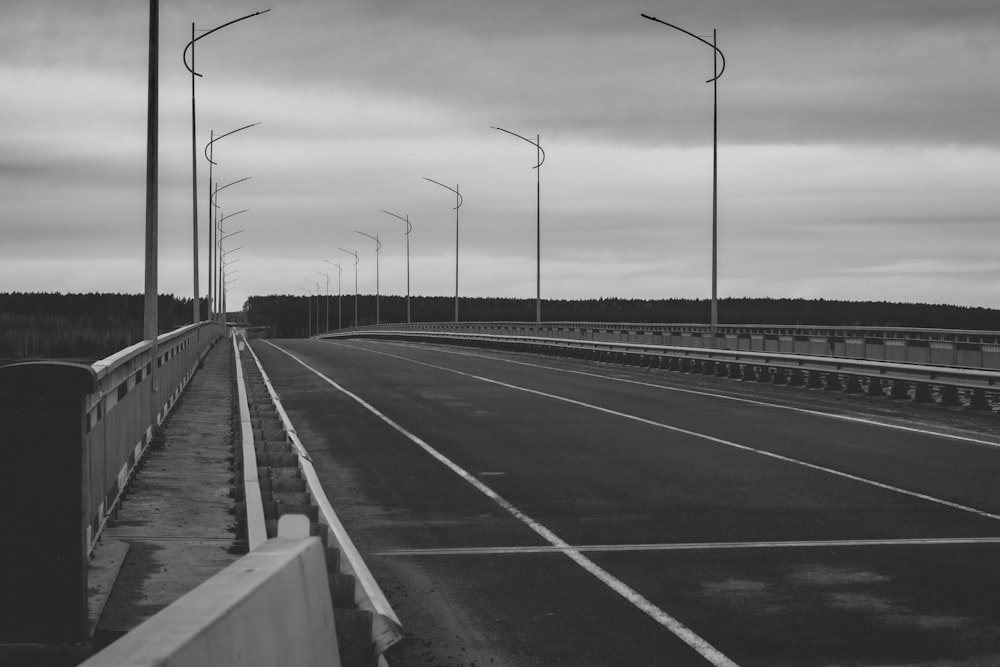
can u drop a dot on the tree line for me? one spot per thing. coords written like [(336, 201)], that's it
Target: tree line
[(80, 326), (92, 326), (290, 316)]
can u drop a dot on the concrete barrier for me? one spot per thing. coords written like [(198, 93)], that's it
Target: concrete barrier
[(271, 607)]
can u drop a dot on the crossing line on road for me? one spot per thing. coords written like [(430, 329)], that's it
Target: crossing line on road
[(692, 546)]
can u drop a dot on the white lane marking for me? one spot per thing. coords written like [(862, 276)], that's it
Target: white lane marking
[(695, 546), (831, 415), (688, 636), (703, 436)]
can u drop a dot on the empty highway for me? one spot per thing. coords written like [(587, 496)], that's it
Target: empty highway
[(525, 510)]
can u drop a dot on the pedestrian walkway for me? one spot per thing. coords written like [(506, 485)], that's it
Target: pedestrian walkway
[(176, 526)]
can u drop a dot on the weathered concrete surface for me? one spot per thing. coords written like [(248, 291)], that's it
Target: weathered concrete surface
[(176, 519)]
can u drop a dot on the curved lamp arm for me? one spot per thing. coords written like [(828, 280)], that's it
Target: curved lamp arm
[(206, 34), (691, 34), (535, 144), (225, 135), (461, 199), (409, 227), (218, 190), (339, 270), (378, 244), (351, 252)]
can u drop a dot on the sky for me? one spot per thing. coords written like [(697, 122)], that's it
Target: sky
[(858, 147)]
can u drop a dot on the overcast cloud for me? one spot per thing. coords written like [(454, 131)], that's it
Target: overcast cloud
[(859, 155)]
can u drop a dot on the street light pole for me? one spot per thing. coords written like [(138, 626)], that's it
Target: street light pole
[(209, 153), (150, 321), (219, 231), (540, 156), (194, 155), (458, 204), (327, 276), (317, 303), (717, 72), (309, 318), (340, 324), (409, 228), (378, 246), (356, 260)]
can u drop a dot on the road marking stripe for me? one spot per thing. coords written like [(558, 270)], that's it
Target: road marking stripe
[(688, 636), (752, 401), (705, 436), (693, 546)]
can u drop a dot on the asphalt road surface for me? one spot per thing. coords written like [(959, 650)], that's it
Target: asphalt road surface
[(525, 510)]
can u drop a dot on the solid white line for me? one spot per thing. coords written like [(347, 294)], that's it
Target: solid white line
[(752, 401), (653, 385), (694, 546), (688, 636), (705, 436)]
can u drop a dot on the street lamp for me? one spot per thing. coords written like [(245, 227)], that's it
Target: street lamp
[(378, 246), (356, 260), (327, 276), (219, 230), (209, 152), (716, 54), (540, 156), (458, 204), (194, 151), (222, 276), (317, 304), (409, 228), (339, 294), (309, 318)]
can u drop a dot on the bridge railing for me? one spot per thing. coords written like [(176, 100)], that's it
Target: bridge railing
[(981, 387), (938, 347), (72, 435)]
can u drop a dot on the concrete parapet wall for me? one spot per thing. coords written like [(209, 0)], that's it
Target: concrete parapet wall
[(271, 607)]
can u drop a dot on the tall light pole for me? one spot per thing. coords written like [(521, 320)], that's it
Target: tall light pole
[(309, 318), (409, 228), (150, 321), (209, 153), (218, 232), (378, 247), (356, 260), (313, 282), (222, 276), (340, 324), (458, 204), (717, 72), (540, 156), (194, 151), (327, 276)]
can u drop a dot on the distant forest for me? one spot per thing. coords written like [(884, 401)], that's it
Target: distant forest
[(79, 326), (287, 316), (88, 327)]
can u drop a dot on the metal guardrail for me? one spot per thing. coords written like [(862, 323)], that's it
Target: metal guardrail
[(82, 430), (939, 347), (903, 380), (256, 523), (368, 596)]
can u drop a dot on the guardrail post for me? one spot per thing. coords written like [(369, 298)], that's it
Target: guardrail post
[(43, 570)]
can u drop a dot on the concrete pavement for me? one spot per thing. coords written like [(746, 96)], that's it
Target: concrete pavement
[(175, 528)]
